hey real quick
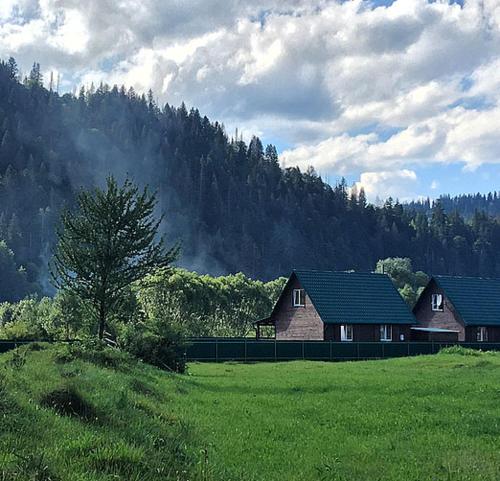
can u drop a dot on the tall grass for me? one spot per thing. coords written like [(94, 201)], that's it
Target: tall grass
[(71, 419)]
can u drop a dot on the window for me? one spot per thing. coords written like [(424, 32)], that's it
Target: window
[(481, 334), (298, 298), (437, 302), (346, 332), (386, 332)]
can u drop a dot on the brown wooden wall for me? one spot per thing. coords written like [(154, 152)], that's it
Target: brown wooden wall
[(448, 319), (367, 332), (297, 323), (493, 334)]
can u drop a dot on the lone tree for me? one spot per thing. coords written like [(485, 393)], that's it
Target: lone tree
[(108, 243)]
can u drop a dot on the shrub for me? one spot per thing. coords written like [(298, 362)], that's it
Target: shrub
[(159, 345), (95, 351), (462, 351)]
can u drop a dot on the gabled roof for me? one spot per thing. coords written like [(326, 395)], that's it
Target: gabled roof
[(354, 298), (476, 299)]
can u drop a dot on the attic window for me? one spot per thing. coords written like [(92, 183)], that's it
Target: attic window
[(437, 302), (298, 298)]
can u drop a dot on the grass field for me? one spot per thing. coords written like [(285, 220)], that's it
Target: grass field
[(422, 418), (413, 419)]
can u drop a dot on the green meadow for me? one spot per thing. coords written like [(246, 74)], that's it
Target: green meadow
[(412, 419)]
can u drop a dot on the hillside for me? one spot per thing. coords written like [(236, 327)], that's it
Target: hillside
[(231, 205), (411, 419)]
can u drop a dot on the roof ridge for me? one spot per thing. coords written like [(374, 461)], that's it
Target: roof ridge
[(444, 276), (340, 272)]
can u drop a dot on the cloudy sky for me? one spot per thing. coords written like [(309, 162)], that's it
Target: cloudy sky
[(402, 96)]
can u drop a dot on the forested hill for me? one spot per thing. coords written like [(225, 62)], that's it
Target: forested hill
[(465, 204), (230, 203)]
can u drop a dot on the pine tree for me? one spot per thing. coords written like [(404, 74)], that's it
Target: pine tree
[(108, 244)]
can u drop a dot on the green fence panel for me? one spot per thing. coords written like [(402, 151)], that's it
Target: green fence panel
[(344, 350), (231, 350), (6, 346), (287, 350), (370, 350), (202, 351), (417, 348), (317, 350), (395, 349), (261, 350)]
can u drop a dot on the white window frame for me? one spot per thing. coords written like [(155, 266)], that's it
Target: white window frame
[(386, 332), (481, 334), (346, 332), (298, 298), (435, 304)]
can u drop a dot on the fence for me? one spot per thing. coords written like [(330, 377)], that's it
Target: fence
[(219, 349), (249, 350), (8, 345)]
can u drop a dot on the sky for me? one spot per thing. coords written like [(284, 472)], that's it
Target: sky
[(400, 97)]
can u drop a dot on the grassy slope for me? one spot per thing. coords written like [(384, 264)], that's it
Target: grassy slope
[(128, 431), (425, 418)]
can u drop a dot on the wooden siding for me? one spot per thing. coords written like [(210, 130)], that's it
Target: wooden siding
[(367, 332), (493, 334), (297, 323), (447, 319)]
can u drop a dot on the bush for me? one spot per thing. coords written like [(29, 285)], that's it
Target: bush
[(95, 351), (462, 351), (159, 345)]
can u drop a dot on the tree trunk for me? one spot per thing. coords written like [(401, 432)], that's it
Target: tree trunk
[(102, 320)]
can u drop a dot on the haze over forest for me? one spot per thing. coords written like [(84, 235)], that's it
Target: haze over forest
[(230, 203)]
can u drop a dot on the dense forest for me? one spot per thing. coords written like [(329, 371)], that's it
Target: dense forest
[(465, 204), (230, 204)]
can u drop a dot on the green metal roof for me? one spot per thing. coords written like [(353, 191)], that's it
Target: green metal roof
[(355, 298), (476, 299)]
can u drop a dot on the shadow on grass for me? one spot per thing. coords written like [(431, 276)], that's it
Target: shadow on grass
[(67, 401)]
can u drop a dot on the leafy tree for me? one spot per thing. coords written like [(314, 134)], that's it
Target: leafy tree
[(409, 284), (107, 244)]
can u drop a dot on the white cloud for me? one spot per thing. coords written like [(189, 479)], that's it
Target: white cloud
[(398, 184), (350, 87)]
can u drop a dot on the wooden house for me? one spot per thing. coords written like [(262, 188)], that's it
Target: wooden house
[(466, 306), (339, 306)]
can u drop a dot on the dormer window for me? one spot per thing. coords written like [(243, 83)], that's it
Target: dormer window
[(298, 298), (437, 303)]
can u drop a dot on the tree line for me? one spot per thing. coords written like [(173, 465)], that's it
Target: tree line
[(466, 204), (229, 203)]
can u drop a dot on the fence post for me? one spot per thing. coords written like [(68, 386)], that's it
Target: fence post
[(303, 355), (216, 350), (245, 350), (275, 351), (383, 351), (331, 349)]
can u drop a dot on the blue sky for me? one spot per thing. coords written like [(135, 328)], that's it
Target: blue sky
[(399, 97)]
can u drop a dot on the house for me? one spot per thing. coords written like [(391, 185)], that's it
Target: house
[(339, 306), (468, 306)]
